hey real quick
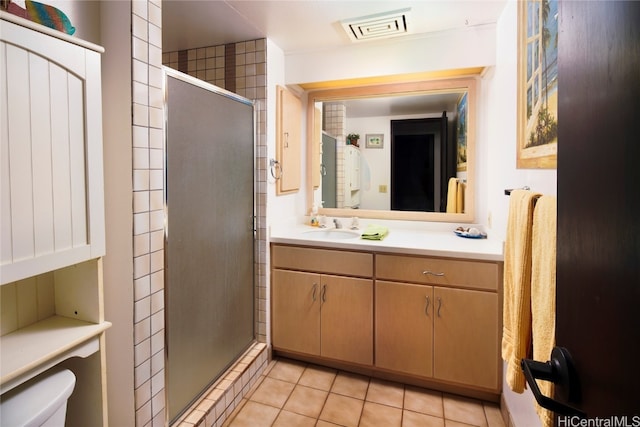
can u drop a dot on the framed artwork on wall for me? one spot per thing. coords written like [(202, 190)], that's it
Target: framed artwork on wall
[(374, 140), (537, 92), (461, 133)]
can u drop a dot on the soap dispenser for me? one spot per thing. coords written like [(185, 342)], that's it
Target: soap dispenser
[(314, 215)]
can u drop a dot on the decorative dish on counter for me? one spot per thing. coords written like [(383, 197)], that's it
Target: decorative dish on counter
[(470, 233)]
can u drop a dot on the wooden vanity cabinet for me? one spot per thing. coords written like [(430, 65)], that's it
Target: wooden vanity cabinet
[(326, 315), (404, 327), (465, 337), (296, 311), (444, 325), (288, 141), (427, 320)]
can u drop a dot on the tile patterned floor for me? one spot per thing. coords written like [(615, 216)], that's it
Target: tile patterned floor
[(296, 394)]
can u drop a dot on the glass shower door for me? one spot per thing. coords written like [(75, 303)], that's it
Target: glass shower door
[(209, 247)]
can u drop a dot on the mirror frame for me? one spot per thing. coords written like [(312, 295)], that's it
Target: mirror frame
[(404, 88)]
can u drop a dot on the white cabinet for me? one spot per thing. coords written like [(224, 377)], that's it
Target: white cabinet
[(52, 233), (51, 196), (352, 160)]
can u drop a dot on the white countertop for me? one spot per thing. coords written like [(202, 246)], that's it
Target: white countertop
[(433, 239)]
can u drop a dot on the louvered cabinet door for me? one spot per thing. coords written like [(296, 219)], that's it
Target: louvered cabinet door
[(52, 208)]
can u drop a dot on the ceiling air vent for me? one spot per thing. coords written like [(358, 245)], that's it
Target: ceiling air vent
[(378, 26)]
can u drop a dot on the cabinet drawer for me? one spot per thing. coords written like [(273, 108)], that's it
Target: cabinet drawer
[(322, 260), (437, 271)]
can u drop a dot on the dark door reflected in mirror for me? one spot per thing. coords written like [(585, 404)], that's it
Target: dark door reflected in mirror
[(423, 158)]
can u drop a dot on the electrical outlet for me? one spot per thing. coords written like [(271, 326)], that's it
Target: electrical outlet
[(382, 188)]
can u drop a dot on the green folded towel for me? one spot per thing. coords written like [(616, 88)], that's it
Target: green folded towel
[(375, 232)]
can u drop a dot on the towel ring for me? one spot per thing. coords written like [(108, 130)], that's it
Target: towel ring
[(275, 168)]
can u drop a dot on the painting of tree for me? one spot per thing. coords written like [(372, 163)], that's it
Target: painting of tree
[(537, 83)]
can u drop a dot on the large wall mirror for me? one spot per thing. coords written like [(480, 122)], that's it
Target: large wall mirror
[(414, 160)]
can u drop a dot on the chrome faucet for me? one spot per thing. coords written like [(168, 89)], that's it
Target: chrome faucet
[(337, 223)]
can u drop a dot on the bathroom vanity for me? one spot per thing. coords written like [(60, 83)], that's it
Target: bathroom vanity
[(422, 306)]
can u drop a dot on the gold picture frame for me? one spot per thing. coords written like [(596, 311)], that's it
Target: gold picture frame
[(537, 91)]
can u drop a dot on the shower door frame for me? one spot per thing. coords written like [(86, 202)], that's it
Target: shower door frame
[(167, 73)]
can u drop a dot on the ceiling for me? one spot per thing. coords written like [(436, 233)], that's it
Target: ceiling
[(307, 25), (297, 26)]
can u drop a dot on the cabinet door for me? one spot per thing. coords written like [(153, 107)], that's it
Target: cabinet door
[(404, 328), (347, 319), (466, 337), (296, 311), (289, 133), (52, 192)]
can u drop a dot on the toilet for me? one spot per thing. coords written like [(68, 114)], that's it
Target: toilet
[(41, 401)]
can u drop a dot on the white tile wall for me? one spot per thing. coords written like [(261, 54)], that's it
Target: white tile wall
[(207, 63)]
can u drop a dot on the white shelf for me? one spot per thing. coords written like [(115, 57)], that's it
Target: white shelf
[(29, 351)]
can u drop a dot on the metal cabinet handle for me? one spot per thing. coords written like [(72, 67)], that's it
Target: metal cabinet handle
[(315, 290), (324, 293), (426, 307), (439, 305), (431, 273)]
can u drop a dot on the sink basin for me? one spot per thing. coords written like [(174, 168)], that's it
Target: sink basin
[(331, 234)]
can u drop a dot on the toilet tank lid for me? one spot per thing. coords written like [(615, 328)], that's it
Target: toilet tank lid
[(36, 400)]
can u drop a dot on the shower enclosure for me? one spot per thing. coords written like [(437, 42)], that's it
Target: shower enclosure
[(209, 235)]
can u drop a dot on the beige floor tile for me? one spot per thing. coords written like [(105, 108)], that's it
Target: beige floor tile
[(386, 392), (423, 400), (352, 385), (255, 387), (377, 415), (273, 392), (493, 414), (233, 414), (306, 401), (255, 414), (322, 423), (416, 419), (290, 419), (342, 410), (451, 423), (269, 366), (464, 410), (318, 377), (287, 370)]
